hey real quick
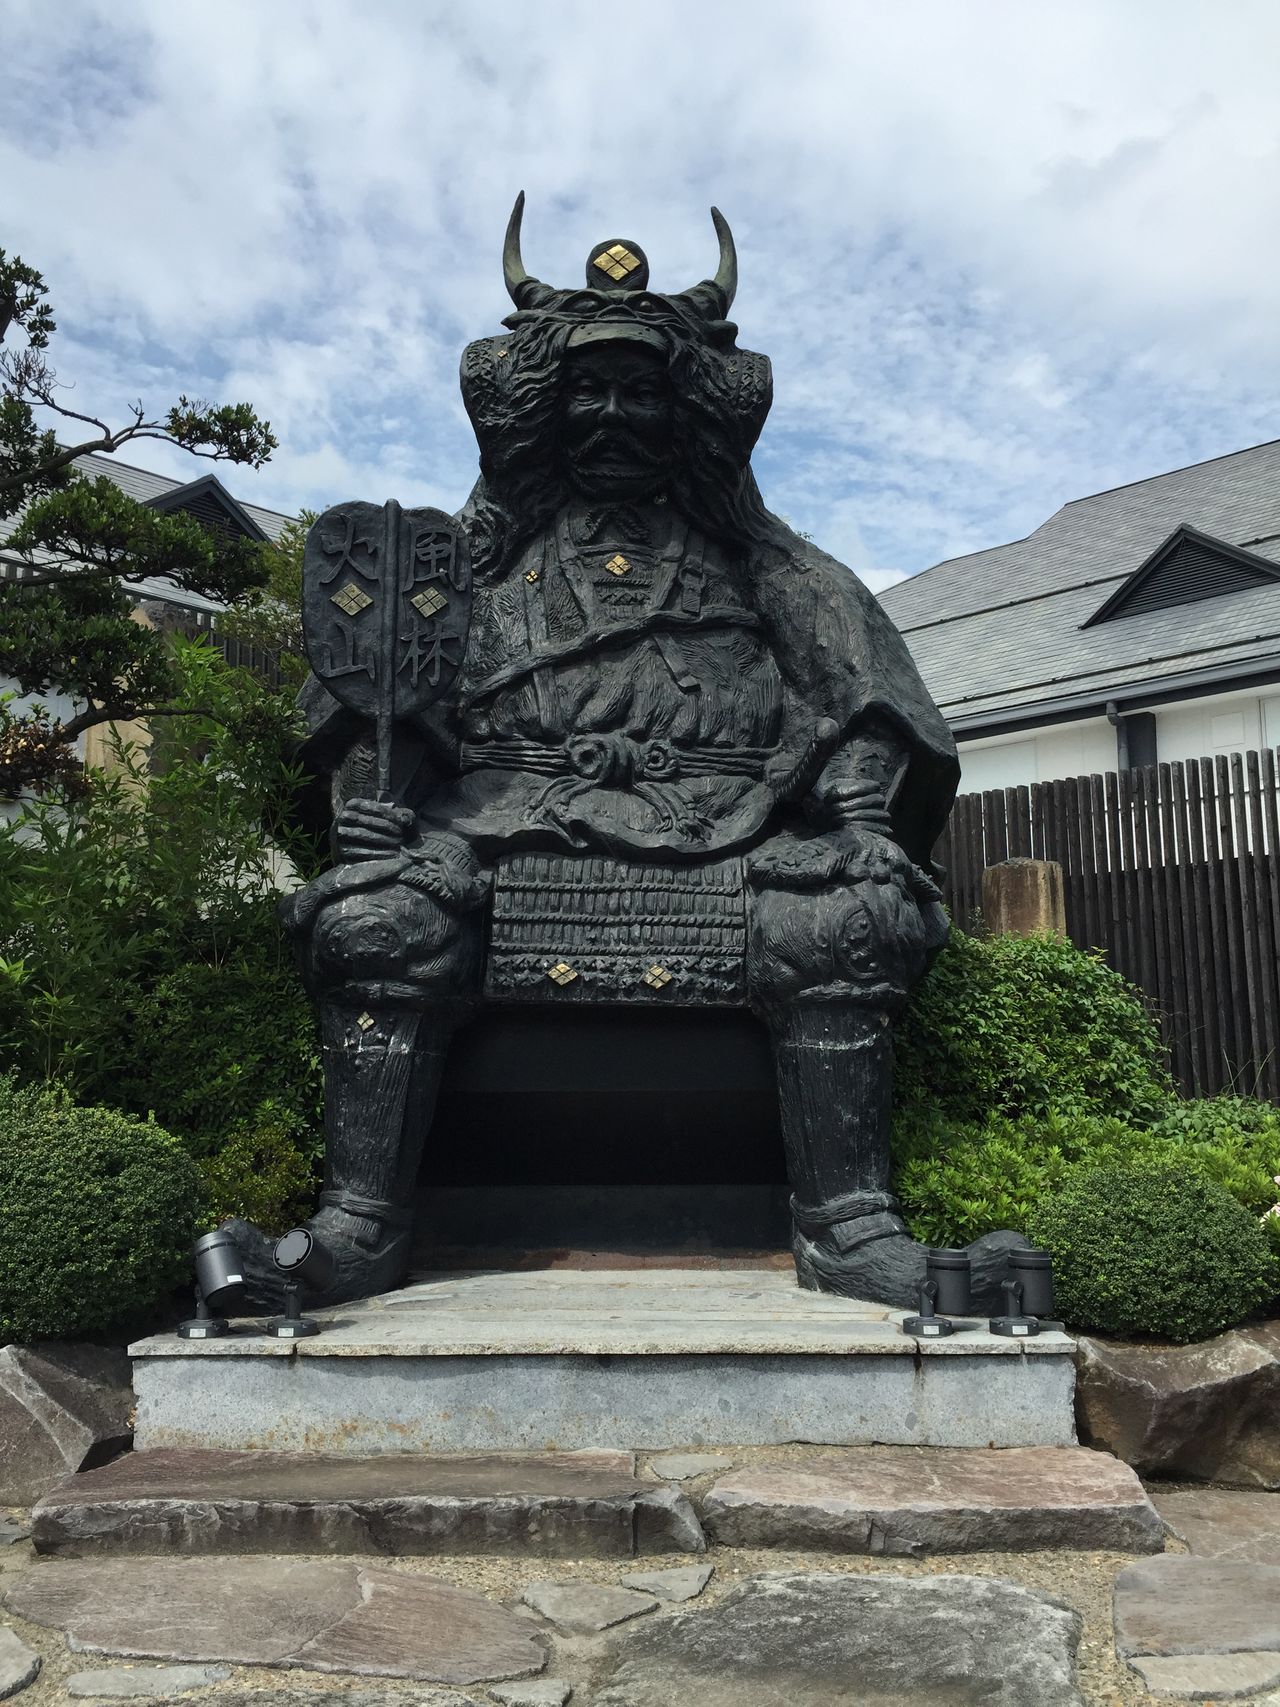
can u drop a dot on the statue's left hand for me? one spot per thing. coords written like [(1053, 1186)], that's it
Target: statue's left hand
[(372, 829), (856, 803), (856, 853)]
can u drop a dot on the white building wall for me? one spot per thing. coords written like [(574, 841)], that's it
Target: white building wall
[(1037, 755), (1186, 729)]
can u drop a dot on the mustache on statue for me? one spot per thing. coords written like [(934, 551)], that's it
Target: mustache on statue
[(619, 446)]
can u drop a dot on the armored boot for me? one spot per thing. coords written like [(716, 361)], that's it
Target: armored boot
[(834, 1083), (382, 1074)]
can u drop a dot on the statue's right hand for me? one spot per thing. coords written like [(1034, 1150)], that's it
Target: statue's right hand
[(372, 829)]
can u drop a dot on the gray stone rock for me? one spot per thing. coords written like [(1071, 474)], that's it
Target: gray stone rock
[(1178, 1605), (684, 1582), (62, 1408), (19, 1664), (280, 1612), (807, 1641), (421, 1697), (1222, 1523), (1209, 1412), (537, 1692), (1223, 1676), (11, 1532), (142, 1683), (553, 1504), (684, 1466), (909, 1501), (586, 1608)]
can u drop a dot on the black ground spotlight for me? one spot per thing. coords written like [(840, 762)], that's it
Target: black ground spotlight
[(1035, 1270), (308, 1265), (945, 1289), (219, 1286)]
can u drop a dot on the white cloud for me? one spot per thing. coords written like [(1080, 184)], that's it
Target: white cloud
[(1001, 254)]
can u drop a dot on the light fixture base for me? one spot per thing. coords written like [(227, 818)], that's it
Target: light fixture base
[(928, 1327), (204, 1328), (1015, 1327)]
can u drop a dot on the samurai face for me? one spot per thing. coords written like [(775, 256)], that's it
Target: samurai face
[(616, 420)]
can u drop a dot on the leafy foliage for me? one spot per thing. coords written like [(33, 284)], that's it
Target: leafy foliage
[(271, 615), (97, 1214), (66, 625), (1153, 1247), (141, 960), (1020, 1026)]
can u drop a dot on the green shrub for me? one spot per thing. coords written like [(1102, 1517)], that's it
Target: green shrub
[(264, 1171), (206, 1045), (957, 1182), (1017, 1026), (1152, 1247), (97, 1214)]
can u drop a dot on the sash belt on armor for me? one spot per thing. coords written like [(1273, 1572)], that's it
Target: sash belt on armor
[(613, 759)]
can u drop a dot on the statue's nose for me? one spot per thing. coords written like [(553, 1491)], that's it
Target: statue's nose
[(611, 408)]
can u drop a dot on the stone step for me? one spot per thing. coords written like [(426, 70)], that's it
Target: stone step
[(910, 1501), (905, 1502), (547, 1504), (569, 1360)]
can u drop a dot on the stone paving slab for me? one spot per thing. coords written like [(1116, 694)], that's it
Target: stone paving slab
[(19, 1664), (314, 1614), (1223, 1523), (1177, 1605), (911, 1501), (141, 1683), (1225, 1677), (553, 1504), (584, 1608), (830, 1640), (684, 1582)]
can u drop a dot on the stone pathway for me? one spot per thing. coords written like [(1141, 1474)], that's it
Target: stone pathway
[(942, 1640), (318, 1615), (550, 1504), (1223, 1523), (896, 1500), (917, 1500), (491, 1628), (1207, 1625)]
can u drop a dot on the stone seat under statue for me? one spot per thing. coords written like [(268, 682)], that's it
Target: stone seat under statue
[(617, 735)]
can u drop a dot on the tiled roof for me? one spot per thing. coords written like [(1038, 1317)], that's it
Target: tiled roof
[(998, 633), (143, 484)]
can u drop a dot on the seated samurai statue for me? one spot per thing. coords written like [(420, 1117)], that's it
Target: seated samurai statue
[(685, 759)]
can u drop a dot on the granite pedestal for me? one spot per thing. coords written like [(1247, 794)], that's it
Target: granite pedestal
[(642, 1359)]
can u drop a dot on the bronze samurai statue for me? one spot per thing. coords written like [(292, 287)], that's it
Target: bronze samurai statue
[(615, 734)]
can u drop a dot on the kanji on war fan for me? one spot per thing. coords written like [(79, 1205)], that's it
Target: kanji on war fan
[(386, 605)]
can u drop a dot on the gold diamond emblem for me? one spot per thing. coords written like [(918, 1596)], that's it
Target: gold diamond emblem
[(365, 1020), (618, 565), (562, 973), (617, 262), (532, 576), (657, 977), (431, 601), (352, 599)]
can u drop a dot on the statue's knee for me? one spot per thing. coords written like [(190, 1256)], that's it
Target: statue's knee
[(394, 935), (864, 942)]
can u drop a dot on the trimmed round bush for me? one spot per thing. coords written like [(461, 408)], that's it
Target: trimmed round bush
[(97, 1214), (1153, 1248)]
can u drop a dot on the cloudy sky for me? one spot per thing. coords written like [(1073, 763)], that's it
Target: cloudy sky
[(1002, 255)]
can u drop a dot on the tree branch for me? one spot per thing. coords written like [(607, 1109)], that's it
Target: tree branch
[(96, 714)]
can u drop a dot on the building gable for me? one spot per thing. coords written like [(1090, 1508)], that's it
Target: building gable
[(207, 501), (1187, 567)]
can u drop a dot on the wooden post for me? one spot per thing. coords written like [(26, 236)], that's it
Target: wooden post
[(1023, 896)]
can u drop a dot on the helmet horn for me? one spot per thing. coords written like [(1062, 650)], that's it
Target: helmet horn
[(513, 271), (727, 271)]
